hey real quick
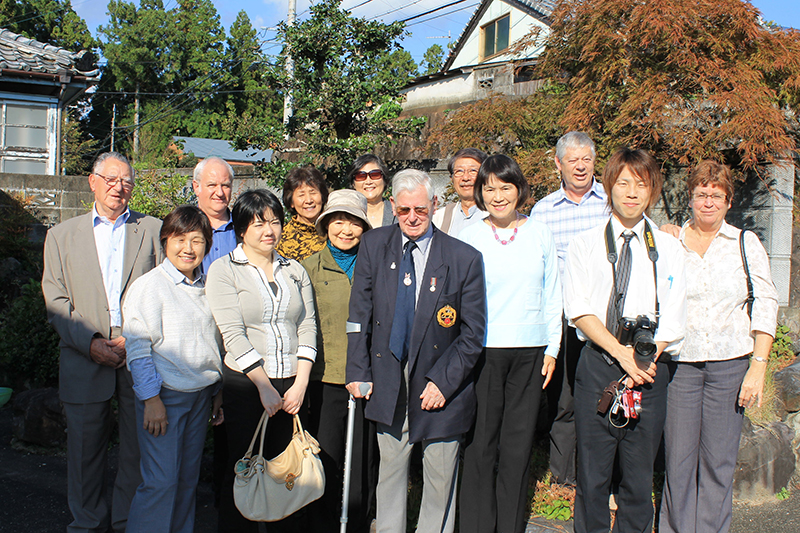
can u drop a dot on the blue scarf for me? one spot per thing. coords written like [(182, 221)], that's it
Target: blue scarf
[(346, 259)]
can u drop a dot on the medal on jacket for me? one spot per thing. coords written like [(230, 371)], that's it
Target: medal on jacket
[(407, 279), (392, 266), (433, 285)]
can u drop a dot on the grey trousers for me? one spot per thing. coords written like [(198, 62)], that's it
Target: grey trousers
[(701, 439), (439, 475), (89, 429)]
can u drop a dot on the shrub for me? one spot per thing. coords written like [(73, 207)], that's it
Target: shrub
[(28, 344)]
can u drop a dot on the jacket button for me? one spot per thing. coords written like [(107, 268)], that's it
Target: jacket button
[(377, 323), (326, 283), (377, 355), (435, 346)]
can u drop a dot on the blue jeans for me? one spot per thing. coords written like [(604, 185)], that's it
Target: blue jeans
[(170, 464)]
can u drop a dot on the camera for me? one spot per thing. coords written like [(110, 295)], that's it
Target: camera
[(638, 333)]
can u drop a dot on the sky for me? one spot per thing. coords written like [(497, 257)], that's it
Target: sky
[(440, 27)]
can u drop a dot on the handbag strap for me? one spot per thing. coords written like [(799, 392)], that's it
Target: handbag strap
[(750, 297), (298, 427), (262, 429)]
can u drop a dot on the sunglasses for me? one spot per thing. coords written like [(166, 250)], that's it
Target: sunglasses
[(420, 210), (374, 174)]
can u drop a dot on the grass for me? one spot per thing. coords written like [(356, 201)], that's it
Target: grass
[(781, 355)]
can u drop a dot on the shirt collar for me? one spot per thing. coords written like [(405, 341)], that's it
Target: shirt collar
[(97, 218), (726, 230), (423, 242), (618, 229), (596, 191), (177, 276), (226, 226), (238, 256)]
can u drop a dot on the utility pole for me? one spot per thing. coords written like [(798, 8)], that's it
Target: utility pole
[(113, 118), (136, 125), (287, 98)]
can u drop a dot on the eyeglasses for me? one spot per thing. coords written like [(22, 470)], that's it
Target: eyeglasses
[(112, 182), (420, 210), (700, 198), (374, 174), (460, 172)]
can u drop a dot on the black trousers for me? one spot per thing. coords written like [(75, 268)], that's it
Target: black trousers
[(509, 388), (599, 442), (328, 424), (243, 410), (560, 398)]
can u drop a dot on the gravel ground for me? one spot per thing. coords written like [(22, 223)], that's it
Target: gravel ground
[(33, 497)]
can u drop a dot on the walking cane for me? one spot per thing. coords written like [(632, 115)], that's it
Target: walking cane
[(348, 454)]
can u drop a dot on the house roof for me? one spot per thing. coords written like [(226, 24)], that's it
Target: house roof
[(18, 53), (540, 9), (203, 148)]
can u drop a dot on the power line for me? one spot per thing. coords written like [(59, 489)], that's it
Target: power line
[(443, 14), (433, 10)]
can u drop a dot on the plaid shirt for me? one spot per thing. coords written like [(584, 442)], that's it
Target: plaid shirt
[(566, 219)]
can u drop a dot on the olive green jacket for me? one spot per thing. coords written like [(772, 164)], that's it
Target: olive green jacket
[(332, 298)]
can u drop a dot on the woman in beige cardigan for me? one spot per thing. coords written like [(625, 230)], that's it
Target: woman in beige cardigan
[(263, 304)]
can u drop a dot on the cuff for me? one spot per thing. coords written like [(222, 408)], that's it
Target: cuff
[(306, 352), (248, 359)]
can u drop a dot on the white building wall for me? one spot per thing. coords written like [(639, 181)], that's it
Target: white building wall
[(521, 24)]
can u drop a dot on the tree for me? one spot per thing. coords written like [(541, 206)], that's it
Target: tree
[(433, 59), (49, 21), (686, 79), (252, 103), (344, 102)]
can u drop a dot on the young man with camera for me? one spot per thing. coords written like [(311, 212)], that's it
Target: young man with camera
[(625, 292)]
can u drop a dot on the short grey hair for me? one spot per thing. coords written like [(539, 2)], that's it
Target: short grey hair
[(411, 179), (198, 169), (102, 158), (573, 139)]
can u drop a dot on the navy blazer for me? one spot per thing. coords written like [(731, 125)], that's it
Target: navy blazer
[(444, 352)]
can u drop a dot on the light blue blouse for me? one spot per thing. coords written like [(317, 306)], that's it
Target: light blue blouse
[(523, 291)]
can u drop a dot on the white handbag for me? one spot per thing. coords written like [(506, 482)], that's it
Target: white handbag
[(266, 491)]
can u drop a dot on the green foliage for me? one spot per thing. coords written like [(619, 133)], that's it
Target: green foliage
[(433, 59), (49, 21), (552, 501), (28, 345), (15, 223), (347, 75), (784, 494), (77, 148), (780, 356), (157, 192), (782, 351)]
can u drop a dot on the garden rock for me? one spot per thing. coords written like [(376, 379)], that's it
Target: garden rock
[(766, 461), (39, 419), (788, 384)]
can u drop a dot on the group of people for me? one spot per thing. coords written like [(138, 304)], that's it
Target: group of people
[(445, 324)]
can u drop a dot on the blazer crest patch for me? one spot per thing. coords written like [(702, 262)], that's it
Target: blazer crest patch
[(446, 316)]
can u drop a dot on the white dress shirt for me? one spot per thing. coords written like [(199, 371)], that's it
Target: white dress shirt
[(109, 239), (588, 280), (718, 327)]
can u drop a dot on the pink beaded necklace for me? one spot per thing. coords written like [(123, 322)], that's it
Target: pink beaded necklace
[(497, 237)]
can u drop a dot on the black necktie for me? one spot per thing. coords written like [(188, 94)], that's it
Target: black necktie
[(617, 300), (405, 304)]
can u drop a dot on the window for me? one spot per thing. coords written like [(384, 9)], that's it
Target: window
[(495, 36), (23, 137)]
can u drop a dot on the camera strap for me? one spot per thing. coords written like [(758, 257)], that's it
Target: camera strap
[(652, 253)]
